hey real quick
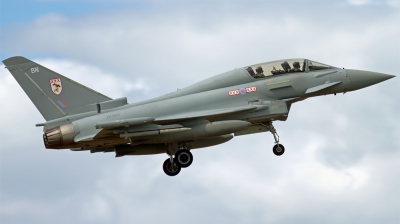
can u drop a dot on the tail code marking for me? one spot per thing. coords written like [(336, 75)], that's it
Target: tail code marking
[(34, 70)]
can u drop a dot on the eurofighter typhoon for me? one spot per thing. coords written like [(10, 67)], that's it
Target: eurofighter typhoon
[(239, 102)]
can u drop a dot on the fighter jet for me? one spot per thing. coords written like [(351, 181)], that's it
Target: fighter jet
[(239, 102)]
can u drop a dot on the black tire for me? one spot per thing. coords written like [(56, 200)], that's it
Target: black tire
[(278, 149), (171, 169), (184, 158)]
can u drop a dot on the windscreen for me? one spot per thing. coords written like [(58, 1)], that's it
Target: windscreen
[(313, 65)]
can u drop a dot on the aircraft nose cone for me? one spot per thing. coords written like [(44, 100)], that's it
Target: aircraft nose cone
[(361, 79)]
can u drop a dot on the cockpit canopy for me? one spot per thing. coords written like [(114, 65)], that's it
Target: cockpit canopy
[(284, 66)]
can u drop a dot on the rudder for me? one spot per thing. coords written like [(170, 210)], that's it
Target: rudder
[(54, 95)]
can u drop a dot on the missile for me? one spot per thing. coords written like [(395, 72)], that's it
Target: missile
[(203, 130), (155, 132), (124, 123)]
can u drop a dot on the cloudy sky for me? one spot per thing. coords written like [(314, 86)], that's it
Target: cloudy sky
[(342, 159)]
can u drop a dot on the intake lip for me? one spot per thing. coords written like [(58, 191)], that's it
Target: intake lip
[(360, 79)]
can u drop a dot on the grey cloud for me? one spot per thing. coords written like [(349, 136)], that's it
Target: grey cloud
[(228, 36)]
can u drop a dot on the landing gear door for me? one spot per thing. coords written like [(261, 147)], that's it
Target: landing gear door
[(278, 107)]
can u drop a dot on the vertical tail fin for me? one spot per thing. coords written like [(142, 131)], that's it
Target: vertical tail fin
[(54, 95)]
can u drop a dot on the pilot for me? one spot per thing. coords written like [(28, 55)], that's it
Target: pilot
[(250, 71), (296, 67), (260, 72), (285, 65)]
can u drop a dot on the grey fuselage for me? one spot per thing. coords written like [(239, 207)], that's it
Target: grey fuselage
[(211, 94)]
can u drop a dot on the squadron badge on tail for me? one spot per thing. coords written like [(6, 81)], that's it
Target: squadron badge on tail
[(56, 86)]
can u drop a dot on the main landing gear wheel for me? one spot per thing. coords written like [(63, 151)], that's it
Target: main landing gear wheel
[(171, 169), (184, 158), (278, 149)]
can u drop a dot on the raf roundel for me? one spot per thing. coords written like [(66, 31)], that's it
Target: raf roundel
[(242, 91), (56, 86)]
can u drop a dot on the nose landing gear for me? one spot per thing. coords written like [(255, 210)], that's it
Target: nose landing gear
[(278, 149)]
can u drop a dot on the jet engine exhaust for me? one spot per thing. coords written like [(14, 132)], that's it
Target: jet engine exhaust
[(59, 136)]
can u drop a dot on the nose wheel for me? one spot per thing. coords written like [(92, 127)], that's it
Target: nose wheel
[(278, 149)]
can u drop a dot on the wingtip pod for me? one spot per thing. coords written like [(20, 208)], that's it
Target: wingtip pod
[(16, 60)]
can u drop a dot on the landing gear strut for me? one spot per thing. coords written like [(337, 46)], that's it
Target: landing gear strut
[(278, 149), (183, 158)]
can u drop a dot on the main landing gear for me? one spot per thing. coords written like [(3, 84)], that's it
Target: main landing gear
[(170, 167), (278, 149), (183, 158)]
